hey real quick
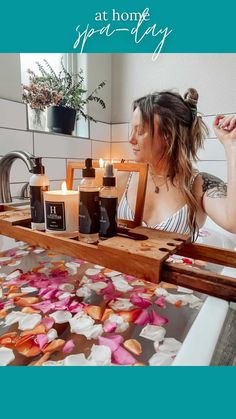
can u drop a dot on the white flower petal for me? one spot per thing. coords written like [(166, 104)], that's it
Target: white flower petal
[(13, 317), (160, 359), (78, 325), (121, 304), (6, 356), (67, 287), (183, 289), (29, 289), (92, 272), (72, 269), (93, 332), (61, 316), (152, 332), (99, 267), (97, 286), (22, 252), (85, 280), (29, 321), (5, 259), (100, 354), (14, 263), (161, 291), (84, 292), (121, 284), (170, 345), (138, 282), (38, 250), (52, 334), (13, 275), (65, 295), (122, 325), (76, 360), (112, 273), (53, 363), (156, 345), (173, 298)]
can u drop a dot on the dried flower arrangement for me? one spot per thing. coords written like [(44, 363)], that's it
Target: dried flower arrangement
[(63, 89)]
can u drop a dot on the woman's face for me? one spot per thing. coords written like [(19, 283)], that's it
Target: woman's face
[(145, 149)]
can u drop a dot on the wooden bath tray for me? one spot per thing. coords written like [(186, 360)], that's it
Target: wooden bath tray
[(141, 258)]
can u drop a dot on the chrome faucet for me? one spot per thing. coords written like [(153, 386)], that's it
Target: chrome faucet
[(5, 168)]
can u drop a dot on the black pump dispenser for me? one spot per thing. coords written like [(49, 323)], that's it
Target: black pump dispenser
[(88, 170), (38, 168), (88, 205), (108, 204), (39, 184), (109, 178)]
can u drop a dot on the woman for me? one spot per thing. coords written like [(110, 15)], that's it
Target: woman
[(167, 133)]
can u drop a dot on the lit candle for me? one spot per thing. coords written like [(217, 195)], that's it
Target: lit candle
[(61, 210), (100, 172)]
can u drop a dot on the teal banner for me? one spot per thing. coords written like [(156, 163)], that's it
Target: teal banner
[(133, 26), (122, 392)]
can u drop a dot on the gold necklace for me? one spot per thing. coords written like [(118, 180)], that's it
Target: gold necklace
[(157, 187)]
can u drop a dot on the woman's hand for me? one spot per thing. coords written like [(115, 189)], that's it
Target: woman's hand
[(225, 129)]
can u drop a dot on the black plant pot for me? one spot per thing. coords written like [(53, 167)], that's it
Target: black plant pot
[(61, 119)]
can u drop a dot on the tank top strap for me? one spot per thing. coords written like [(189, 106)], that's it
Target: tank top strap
[(127, 184), (194, 175)]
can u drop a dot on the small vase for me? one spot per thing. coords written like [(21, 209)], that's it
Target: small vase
[(61, 119), (37, 120)]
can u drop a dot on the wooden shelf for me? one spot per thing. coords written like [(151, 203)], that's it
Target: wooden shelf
[(145, 259)]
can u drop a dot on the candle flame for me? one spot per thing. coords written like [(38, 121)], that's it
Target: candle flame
[(64, 187), (101, 163)]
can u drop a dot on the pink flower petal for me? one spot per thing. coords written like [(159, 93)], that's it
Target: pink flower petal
[(98, 277), (57, 273), (48, 322), (129, 278), (117, 338), (75, 307), (42, 340), (44, 306), (122, 357), (109, 327), (50, 294), (161, 302), (113, 342), (139, 301), (62, 304), (139, 289), (68, 347), (110, 293), (156, 319), (143, 318)]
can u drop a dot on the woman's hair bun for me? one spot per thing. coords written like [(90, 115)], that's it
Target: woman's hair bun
[(191, 97)]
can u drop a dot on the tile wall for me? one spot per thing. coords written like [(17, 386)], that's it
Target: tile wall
[(56, 150)]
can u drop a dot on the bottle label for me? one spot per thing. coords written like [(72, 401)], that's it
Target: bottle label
[(89, 212), (108, 217), (36, 203), (55, 216)]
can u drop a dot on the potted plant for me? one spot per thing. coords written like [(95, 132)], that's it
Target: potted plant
[(63, 94)]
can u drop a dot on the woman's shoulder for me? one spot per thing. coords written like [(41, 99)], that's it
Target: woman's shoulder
[(203, 182)]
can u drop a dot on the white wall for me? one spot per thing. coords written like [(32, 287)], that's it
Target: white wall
[(213, 75), (99, 68), (10, 77)]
